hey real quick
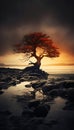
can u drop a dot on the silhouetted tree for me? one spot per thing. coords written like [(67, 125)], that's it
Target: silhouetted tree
[(37, 45)]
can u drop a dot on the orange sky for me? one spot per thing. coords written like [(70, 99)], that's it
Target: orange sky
[(59, 37), (18, 59), (52, 18)]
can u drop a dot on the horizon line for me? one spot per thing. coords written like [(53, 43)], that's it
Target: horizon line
[(59, 64)]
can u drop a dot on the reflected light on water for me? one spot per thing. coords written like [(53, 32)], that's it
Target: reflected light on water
[(8, 100), (19, 89), (59, 69), (51, 69)]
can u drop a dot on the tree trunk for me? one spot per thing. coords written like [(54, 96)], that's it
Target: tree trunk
[(38, 61), (38, 58)]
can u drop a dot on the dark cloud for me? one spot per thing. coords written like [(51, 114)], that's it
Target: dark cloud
[(28, 11), (18, 17)]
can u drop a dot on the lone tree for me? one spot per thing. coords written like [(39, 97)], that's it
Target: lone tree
[(37, 45)]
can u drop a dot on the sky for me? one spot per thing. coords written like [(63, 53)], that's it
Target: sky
[(53, 17)]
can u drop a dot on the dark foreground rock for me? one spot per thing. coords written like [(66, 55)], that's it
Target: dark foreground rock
[(69, 106), (70, 94), (42, 110), (5, 113), (35, 73), (1, 92), (12, 77), (34, 103)]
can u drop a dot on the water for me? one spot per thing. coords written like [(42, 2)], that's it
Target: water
[(8, 100), (59, 69), (67, 69)]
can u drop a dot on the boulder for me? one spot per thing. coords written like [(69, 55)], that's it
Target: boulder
[(70, 94), (42, 110), (1, 92), (34, 103)]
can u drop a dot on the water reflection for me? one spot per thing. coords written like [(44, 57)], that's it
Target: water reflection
[(59, 69), (8, 100)]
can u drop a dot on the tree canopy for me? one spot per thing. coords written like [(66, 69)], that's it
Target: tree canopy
[(37, 45)]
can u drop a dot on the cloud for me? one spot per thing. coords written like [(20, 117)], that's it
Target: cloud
[(23, 16), (34, 11)]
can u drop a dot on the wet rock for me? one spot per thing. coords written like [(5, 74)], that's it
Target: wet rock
[(54, 93), (28, 113), (47, 88), (70, 85), (28, 86), (5, 113), (67, 84), (33, 123), (16, 121), (42, 110), (3, 85), (38, 84), (34, 103), (0, 87), (62, 93), (51, 123), (14, 83), (69, 106), (22, 79), (70, 94), (18, 77), (35, 72), (1, 92), (8, 79)]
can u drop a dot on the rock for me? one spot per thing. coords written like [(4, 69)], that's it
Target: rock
[(47, 88), (69, 106), (62, 93), (22, 79), (28, 86), (42, 110), (5, 113), (14, 83), (4, 85), (34, 103), (68, 84), (51, 123), (8, 79), (70, 94), (33, 124), (16, 122), (1, 92), (38, 84), (54, 93), (35, 72), (28, 113), (0, 87)]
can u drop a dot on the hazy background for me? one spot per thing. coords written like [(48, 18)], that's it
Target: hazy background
[(54, 17)]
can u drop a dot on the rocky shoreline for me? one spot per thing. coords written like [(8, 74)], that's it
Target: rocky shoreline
[(35, 111)]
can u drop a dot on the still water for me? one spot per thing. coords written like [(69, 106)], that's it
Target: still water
[(56, 69), (9, 99)]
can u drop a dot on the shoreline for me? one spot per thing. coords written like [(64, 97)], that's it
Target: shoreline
[(57, 99)]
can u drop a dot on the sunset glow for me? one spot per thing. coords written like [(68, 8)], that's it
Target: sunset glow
[(18, 59), (37, 65)]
